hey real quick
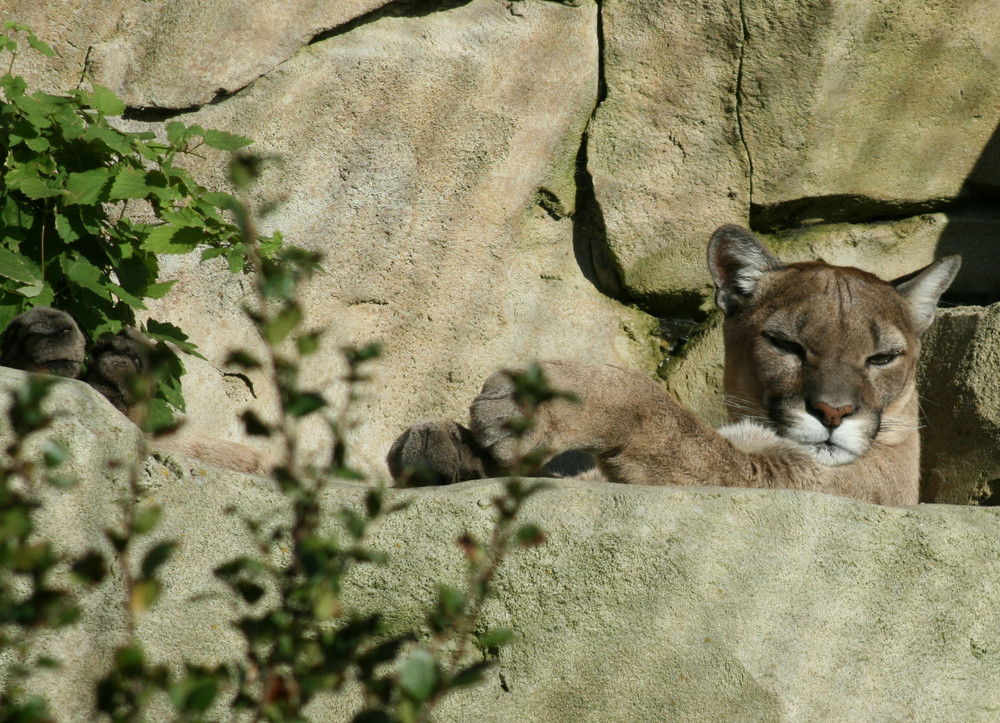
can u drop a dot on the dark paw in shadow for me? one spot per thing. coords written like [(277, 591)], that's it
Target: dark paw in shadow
[(437, 452)]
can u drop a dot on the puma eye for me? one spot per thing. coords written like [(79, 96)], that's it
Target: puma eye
[(881, 360), (786, 346)]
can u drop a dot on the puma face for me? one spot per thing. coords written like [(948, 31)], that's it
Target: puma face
[(825, 356)]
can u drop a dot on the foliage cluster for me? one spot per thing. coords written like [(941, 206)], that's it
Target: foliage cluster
[(86, 207), (300, 641)]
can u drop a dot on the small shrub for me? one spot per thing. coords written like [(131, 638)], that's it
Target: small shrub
[(73, 189)]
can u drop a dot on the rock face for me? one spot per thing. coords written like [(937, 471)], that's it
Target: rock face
[(960, 398), (785, 115), (664, 148), (882, 112), (191, 50), (711, 604), (483, 175)]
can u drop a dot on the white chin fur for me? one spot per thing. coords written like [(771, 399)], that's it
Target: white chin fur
[(831, 448), (844, 445)]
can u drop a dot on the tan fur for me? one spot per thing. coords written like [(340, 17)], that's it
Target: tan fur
[(218, 453), (820, 377)]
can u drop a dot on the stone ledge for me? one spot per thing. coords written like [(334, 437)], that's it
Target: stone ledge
[(701, 604)]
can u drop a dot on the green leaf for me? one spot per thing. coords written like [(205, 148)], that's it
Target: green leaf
[(159, 290), (134, 301), (18, 268), (305, 403), (83, 273), (177, 133), (236, 258), (39, 106), (38, 145), (243, 359), (36, 290), (224, 141), (373, 503), (25, 178), (254, 425), (147, 519), (54, 453), (64, 227), (41, 47), (194, 694), (308, 343), (494, 638), (144, 595), (161, 416), (158, 555), (224, 201), (282, 324), (130, 183), (529, 536), (129, 659), (87, 187), (251, 592), (418, 675), (113, 139), (91, 568), (105, 102), (171, 239), (165, 331), (472, 675)]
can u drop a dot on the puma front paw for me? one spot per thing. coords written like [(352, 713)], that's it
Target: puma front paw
[(437, 452), (43, 339)]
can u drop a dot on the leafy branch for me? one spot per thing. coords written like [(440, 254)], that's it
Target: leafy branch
[(85, 209)]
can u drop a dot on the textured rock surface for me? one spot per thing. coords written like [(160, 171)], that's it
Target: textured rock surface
[(891, 249), (432, 159), (664, 147), (707, 603), (97, 435), (865, 109), (960, 399), (176, 53), (787, 115)]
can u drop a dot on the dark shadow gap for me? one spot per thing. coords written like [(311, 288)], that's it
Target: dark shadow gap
[(973, 231), (398, 9), (590, 237)]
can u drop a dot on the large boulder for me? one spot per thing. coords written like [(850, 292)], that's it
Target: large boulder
[(698, 604), (867, 110), (960, 400), (664, 148), (174, 53), (432, 157), (891, 249), (432, 160), (785, 115)]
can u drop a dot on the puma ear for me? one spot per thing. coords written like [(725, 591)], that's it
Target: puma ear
[(923, 288), (737, 260)]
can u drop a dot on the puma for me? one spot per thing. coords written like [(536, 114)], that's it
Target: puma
[(820, 383), (49, 341)]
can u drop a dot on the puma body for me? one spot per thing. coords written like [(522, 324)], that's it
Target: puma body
[(820, 383)]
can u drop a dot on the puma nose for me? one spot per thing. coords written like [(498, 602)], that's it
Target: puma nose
[(831, 416)]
